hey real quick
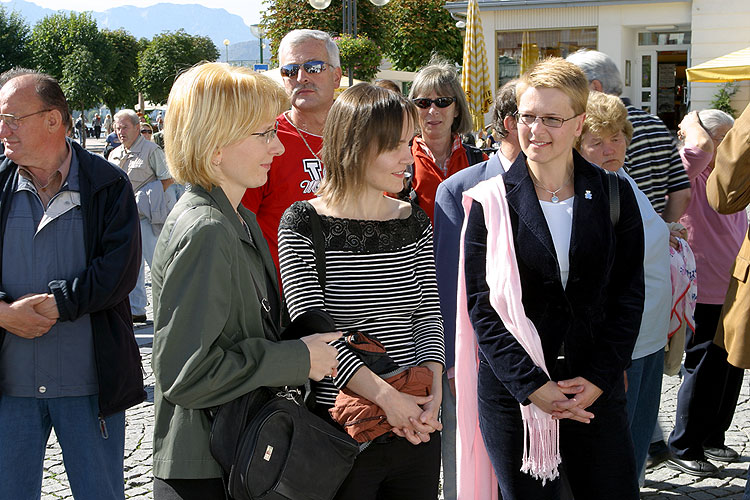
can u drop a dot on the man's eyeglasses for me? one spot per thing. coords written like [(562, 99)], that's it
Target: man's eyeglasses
[(440, 102), (12, 121), (547, 121), (268, 135), (312, 67)]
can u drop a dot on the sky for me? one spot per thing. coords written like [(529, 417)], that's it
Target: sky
[(248, 10)]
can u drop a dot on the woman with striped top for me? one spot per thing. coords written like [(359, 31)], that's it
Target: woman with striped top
[(379, 279)]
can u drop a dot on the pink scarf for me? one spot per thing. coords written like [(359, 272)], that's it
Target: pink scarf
[(541, 456)]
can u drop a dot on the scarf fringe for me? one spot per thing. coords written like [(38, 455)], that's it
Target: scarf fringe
[(541, 444)]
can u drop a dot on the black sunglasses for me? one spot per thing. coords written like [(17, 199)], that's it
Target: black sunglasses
[(146, 131), (312, 67), (440, 102)]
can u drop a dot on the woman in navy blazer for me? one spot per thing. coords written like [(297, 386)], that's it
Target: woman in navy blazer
[(582, 286)]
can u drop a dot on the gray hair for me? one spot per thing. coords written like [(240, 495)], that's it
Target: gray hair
[(47, 90), (715, 120), (440, 76), (129, 114), (505, 105), (297, 37), (598, 66)]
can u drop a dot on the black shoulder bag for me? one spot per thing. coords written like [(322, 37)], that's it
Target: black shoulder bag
[(270, 446)]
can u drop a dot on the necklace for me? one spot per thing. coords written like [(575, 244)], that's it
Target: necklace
[(554, 198), (299, 132)]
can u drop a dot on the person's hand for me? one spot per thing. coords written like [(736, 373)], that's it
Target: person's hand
[(20, 317), (323, 360), (553, 399), (585, 395), (674, 234), (403, 412), (48, 307)]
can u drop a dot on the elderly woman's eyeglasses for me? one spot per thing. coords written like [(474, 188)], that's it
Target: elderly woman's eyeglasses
[(440, 102), (269, 135), (548, 121), (12, 121), (312, 67)]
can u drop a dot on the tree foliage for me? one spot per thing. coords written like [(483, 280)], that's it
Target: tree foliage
[(283, 16), (119, 89), (14, 39), (723, 98), (165, 57), (82, 80), (361, 54), (58, 35), (417, 29)]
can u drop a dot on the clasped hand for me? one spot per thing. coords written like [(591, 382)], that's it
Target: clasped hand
[(553, 398), (413, 417), (30, 316)]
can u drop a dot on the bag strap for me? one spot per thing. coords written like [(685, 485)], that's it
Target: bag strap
[(318, 244), (614, 197)]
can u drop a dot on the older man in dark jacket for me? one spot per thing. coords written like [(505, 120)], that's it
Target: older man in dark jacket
[(69, 256)]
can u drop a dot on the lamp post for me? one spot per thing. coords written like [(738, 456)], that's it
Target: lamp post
[(226, 48), (258, 33), (349, 18)]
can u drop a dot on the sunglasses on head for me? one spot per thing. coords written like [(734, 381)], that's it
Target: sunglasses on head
[(440, 102), (312, 67)]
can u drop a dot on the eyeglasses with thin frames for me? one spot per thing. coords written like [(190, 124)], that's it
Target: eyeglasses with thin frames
[(269, 135), (311, 67), (547, 121), (12, 120)]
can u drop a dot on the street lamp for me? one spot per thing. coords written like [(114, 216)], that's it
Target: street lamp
[(226, 47), (258, 33), (349, 18)]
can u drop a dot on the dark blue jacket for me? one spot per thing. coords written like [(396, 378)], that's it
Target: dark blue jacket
[(596, 316), (449, 218), (112, 240)]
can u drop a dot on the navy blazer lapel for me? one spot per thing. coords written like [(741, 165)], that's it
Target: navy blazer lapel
[(522, 198), (588, 193)]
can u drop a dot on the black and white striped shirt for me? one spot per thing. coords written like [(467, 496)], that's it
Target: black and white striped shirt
[(380, 279), (653, 160)]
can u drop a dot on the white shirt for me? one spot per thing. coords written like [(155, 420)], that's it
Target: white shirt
[(559, 218)]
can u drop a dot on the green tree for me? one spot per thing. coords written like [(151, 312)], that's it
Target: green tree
[(81, 80), (723, 98), (119, 88), (58, 35), (283, 16), (14, 39), (417, 29), (165, 57), (361, 54)]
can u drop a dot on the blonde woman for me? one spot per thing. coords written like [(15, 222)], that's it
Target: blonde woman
[(212, 272), (379, 279), (581, 286)]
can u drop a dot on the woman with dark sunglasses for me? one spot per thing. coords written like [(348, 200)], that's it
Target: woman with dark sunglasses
[(443, 116)]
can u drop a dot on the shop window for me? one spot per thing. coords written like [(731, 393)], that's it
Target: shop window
[(519, 50), (664, 38)]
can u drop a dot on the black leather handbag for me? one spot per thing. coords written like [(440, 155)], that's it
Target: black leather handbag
[(282, 452)]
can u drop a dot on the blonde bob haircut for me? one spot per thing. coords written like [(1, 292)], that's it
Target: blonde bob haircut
[(211, 106), (363, 122), (557, 73), (606, 115)]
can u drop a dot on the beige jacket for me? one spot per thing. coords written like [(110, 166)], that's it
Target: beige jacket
[(728, 190)]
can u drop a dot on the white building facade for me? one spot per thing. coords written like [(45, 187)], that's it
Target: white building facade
[(652, 42)]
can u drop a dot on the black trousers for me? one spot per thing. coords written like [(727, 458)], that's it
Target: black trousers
[(709, 392), (598, 457), (189, 489), (396, 470)]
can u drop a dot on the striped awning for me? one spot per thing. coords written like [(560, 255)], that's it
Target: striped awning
[(475, 75), (729, 68)]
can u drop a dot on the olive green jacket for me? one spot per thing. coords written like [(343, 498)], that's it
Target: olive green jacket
[(209, 344)]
